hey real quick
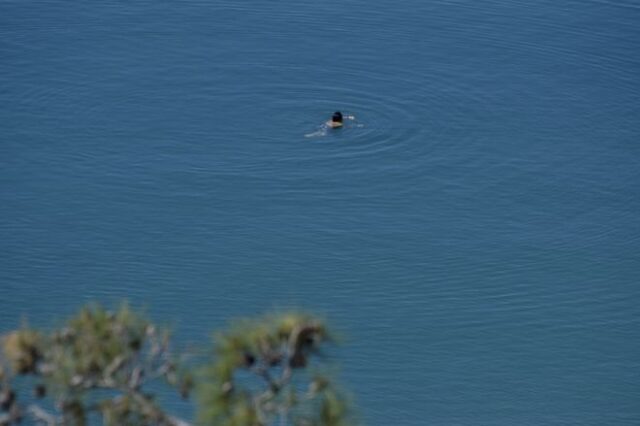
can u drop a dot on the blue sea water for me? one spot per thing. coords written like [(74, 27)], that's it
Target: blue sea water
[(474, 234)]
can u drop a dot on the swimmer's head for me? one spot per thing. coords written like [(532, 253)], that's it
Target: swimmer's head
[(337, 117)]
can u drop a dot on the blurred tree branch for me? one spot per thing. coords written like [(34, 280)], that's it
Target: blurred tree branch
[(260, 376), (102, 364), (117, 352)]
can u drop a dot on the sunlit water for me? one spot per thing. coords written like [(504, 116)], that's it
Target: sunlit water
[(473, 234)]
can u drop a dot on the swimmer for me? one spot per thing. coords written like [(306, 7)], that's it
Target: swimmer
[(336, 120)]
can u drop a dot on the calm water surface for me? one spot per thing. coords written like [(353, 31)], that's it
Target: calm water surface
[(474, 234)]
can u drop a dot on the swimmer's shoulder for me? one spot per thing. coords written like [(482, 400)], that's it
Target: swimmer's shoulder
[(334, 124)]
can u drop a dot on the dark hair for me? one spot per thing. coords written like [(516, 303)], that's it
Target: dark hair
[(337, 117)]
